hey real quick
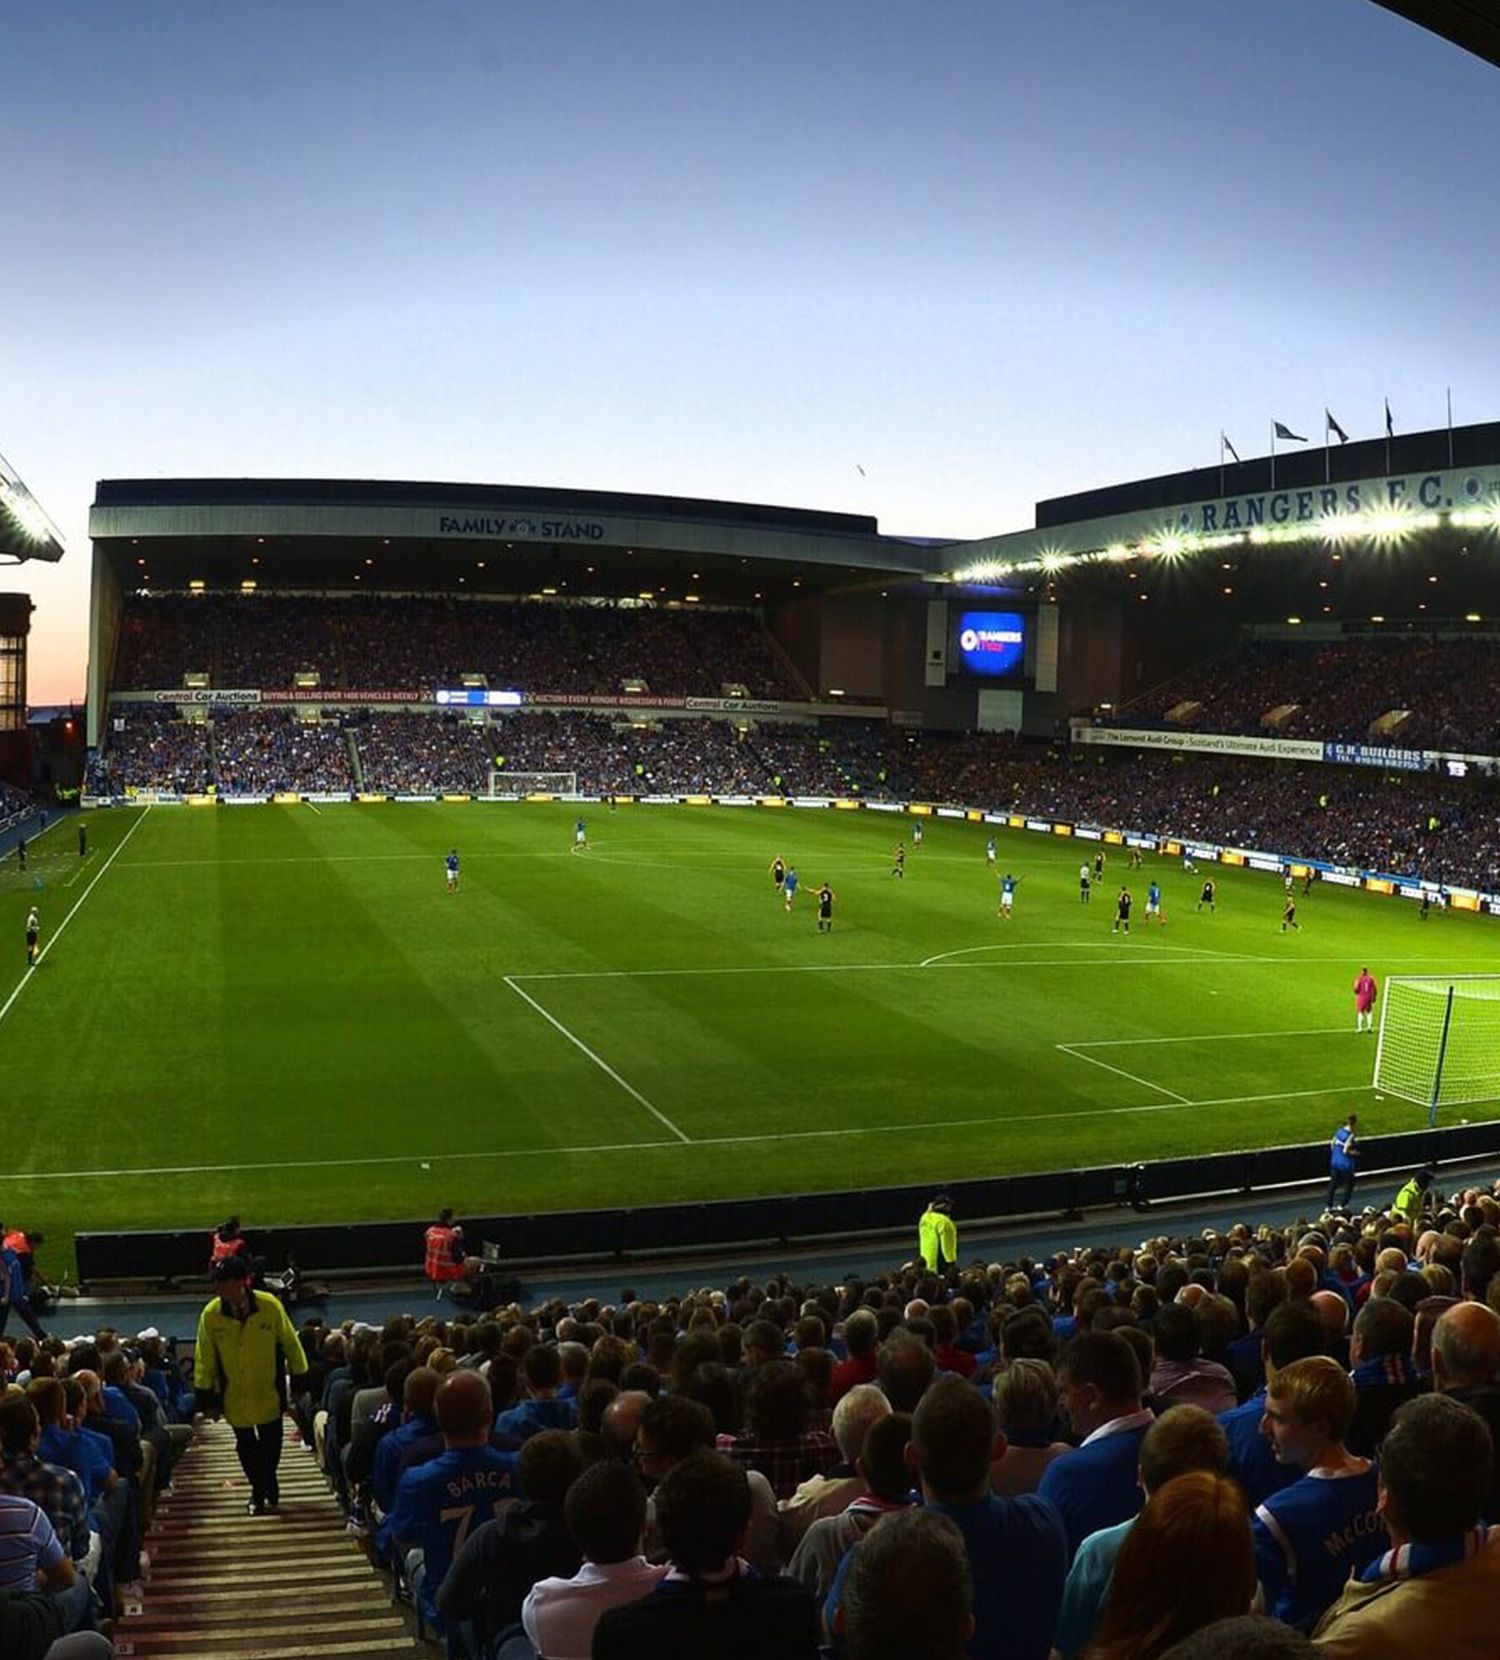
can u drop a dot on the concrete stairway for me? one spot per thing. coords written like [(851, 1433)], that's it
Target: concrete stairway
[(293, 1586)]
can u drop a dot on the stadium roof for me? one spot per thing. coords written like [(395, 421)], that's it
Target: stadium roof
[(1472, 24), (402, 536)]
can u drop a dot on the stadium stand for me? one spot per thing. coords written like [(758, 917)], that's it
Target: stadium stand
[(579, 1408), (418, 643), (1425, 692)]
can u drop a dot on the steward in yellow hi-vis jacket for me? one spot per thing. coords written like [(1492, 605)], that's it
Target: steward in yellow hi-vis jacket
[(937, 1236), (245, 1342)]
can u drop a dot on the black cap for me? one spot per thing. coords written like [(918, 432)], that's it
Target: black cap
[(236, 1267)]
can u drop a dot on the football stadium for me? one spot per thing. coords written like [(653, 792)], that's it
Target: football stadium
[(600, 1073), (641, 877)]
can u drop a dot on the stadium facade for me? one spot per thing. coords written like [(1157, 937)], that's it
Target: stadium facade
[(1111, 591)]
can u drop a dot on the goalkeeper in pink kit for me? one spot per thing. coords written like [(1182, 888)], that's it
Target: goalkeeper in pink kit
[(1365, 993)]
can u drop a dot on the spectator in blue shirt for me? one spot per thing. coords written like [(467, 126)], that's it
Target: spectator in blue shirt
[(1312, 1535), (1099, 1387), (1292, 1332), (417, 1424), (439, 1503), (544, 1407), (1017, 1547)]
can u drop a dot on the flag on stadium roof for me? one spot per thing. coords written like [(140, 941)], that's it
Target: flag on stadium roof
[(1224, 444), (1331, 425), (1390, 425), (1286, 432)]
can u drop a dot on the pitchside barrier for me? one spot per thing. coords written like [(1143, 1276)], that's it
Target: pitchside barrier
[(778, 1222)]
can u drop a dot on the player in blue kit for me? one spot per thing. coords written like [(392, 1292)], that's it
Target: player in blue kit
[(789, 886), (1007, 893), (450, 864), (989, 852), (916, 834), (580, 834), (1153, 903)]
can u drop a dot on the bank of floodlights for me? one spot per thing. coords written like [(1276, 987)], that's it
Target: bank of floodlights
[(1386, 527), (25, 530)]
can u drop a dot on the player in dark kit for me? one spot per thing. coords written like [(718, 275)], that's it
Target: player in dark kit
[(1122, 912), (1099, 866), (826, 897), (83, 841), (21, 852), (899, 868), (1289, 915), (1207, 896), (778, 871)]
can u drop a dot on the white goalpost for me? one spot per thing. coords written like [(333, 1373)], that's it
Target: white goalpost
[(1439, 1043), (516, 785)]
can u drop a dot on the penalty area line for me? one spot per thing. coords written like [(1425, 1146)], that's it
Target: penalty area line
[(25, 979), (1120, 1072), (598, 1060)]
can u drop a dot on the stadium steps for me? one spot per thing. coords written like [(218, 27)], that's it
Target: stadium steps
[(293, 1586), (356, 760)]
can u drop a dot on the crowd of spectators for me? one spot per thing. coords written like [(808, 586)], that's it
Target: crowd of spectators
[(1337, 689), (1217, 1443), (90, 1433), (153, 750), (409, 643), (1403, 824), (260, 751), (13, 800)]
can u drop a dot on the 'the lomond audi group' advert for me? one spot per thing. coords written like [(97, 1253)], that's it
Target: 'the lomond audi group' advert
[(992, 642)]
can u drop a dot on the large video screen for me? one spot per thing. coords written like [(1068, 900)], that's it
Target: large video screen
[(992, 642)]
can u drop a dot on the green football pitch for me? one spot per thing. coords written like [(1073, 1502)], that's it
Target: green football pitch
[(280, 1011)]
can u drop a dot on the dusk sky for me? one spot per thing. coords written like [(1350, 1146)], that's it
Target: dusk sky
[(987, 251)]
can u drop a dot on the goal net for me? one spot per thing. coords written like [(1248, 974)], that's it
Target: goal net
[(516, 784), (1439, 1043)]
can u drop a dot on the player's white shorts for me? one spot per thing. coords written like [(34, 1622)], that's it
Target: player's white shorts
[(989, 858), (1151, 909), (452, 878), (578, 838), (1005, 901)]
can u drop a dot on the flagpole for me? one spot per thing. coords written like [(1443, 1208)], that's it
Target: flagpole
[(1221, 463), (1387, 437), (1450, 429), (1327, 462), (1273, 455)]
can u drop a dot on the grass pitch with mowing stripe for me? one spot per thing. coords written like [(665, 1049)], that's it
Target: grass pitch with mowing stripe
[(284, 1013)]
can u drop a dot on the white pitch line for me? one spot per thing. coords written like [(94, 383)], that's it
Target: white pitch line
[(25, 979), (1119, 1071), (1209, 1037), (470, 1155), (1165, 960), (317, 809), (866, 968), (598, 1060), (1078, 945)]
